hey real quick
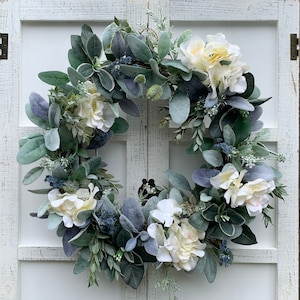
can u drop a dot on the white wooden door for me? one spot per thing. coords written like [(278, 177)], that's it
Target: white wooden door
[(32, 262)]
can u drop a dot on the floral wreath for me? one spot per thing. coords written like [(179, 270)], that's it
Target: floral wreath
[(206, 89)]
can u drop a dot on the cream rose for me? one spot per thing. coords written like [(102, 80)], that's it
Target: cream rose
[(93, 108), (219, 60), (70, 205), (256, 195), (179, 245)]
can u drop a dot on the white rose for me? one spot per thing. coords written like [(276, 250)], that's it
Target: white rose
[(167, 210), (70, 205)]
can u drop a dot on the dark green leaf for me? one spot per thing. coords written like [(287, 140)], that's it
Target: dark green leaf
[(122, 238), (227, 228), (85, 69), (210, 212), (132, 274), (120, 126), (83, 240), (246, 238), (197, 221), (250, 85)]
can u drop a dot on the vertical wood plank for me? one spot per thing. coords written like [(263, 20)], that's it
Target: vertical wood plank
[(9, 89), (288, 144), (137, 143)]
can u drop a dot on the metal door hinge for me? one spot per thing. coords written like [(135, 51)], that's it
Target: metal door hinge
[(3, 45), (294, 46)]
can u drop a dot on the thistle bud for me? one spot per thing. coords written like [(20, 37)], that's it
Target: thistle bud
[(155, 92)]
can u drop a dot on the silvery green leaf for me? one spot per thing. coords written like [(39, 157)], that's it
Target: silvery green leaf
[(210, 269), (154, 66), (260, 171), (83, 261), (78, 48), (74, 61), (43, 209), (85, 69), (240, 103), (176, 195), (55, 78), (200, 266), (131, 88), (107, 35), (86, 32), (93, 47), (107, 81), (179, 108), (54, 115), (178, 181), (53, 221), (75, 77), (52, 139), (255, 94), (213, 157), (202, 176), (164, 44), (229, 135), (184, 36), (32, 150), (177, 64), (133, 71), (205, 198), (32, 175), (39, 106), (139, 49), (197, 221)]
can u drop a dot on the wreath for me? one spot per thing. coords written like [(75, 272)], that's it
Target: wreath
[(206, 89)]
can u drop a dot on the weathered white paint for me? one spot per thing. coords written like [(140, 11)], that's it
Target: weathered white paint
[(147, 150)]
